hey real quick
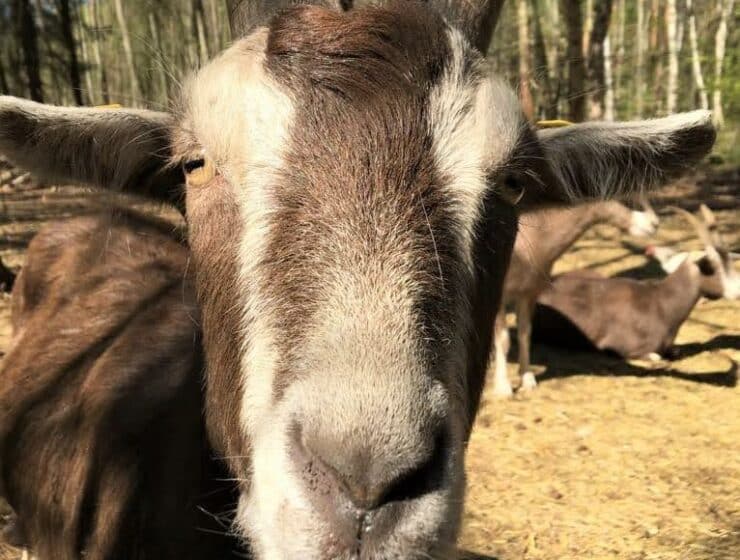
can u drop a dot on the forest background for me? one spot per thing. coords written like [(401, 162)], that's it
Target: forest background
[(569, 59)]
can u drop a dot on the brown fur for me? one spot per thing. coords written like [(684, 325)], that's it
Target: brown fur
[(476, 18), (103, 449)]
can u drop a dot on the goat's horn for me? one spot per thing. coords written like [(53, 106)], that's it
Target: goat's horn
[(699, 225)]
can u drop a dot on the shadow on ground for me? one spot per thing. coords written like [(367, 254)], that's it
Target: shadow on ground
[(562, 364)]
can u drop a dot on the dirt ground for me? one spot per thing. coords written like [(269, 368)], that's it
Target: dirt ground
[(606, 459)]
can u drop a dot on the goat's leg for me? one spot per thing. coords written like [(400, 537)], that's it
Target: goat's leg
[(524, 311), (501, 384)]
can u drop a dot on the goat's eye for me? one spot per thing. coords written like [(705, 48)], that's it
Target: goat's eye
[(199, 171), (194, 164), (512, 188)]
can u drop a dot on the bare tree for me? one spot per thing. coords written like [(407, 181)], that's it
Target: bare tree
[(571, 10), (720, 40), (4, 86), (28, 39), (695, 58), (548, 100), (128, 52), (525, 93), (671, 28), (640, 60), (68, 37), (609, 109), (601, 19), (98, 57), (82, 33)]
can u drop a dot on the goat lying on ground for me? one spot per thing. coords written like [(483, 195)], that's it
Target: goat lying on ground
[(632, 318), (100, 401), (352, 188), (544, 236)]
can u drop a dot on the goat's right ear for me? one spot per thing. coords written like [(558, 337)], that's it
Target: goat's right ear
[(121, 149), (603, 160)]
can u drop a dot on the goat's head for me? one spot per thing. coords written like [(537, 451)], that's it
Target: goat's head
[(713, 265), (352, 181)]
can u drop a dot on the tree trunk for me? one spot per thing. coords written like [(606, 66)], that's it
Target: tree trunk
[(104, 90), (215, 25), (608, 82), (83, 28), (4, 87), (619, 51), (128, 52), (548, 103), (162, 71), (28, 38), (695, 58), (571, 10), (657, 50), (640, 61), (672, 85), (720, 40), (601, 19), (68, 37), (588, 25), (525, 93)]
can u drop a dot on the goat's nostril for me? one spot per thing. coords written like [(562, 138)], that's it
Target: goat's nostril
[(351, 483), (420, 480)]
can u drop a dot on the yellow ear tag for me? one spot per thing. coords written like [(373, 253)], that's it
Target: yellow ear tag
[(557, 123)]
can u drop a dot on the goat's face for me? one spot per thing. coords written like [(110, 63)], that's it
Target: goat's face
[(350, 225), (349, 204), (350, 248)]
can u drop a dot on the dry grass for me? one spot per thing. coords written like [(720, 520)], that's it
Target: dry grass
[(606, 459)]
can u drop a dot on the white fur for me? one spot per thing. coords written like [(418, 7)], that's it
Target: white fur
[(475, 124), (242, 118), (642, 224), (592, 146), (529, 381)]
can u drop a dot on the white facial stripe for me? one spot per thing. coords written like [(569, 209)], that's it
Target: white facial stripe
[(475, 124), (242, 118)]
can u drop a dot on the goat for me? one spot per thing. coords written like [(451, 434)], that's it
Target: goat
[(632, 318), (543, 237), (105, 453), (352, 182)]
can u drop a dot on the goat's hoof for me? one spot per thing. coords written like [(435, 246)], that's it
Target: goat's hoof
[(528, 382)]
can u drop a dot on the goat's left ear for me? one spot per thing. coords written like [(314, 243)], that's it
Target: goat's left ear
[(603, 160), (120, 149)]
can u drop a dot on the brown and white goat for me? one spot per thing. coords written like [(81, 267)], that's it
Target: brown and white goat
[(544, 235), (104, 448), (351, 199), (632, 318)]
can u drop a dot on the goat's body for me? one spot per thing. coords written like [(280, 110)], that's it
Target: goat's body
[(103, 446), (628, 317), (543, 237)]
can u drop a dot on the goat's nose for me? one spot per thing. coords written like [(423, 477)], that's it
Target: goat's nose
[(350, 483)]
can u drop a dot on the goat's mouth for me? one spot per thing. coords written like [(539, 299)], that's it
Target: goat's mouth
[(300, 505)]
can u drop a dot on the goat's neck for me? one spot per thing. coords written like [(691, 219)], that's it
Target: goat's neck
[(678, 293), (564, 227)]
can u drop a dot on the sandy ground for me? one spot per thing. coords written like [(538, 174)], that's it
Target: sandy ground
[(606, 459)]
